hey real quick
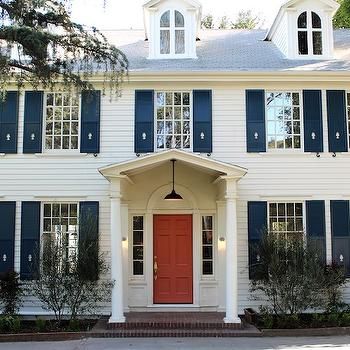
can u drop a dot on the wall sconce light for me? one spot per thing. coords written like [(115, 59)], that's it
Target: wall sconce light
[(202, 135), (4, 258), (222, 239), (337, 135), (8, 137), (313, 136), (144, 136), (124, 239), (90, 136), (256, 136), (341, 258), (32, 137)]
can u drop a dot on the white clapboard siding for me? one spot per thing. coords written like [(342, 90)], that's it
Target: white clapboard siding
[(272, 176)]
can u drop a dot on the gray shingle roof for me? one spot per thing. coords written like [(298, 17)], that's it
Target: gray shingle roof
[(229, 51)]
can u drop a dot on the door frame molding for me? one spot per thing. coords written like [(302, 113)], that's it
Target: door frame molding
[(196, 256)]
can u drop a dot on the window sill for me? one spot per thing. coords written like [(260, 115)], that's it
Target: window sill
[(208, 280), (137, 281), (61, 155)]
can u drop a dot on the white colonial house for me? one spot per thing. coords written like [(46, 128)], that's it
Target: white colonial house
[(256, 125)]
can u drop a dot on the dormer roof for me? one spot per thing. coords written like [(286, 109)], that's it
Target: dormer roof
[(290, 4)]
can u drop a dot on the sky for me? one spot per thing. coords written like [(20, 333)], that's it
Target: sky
[(126, 14)]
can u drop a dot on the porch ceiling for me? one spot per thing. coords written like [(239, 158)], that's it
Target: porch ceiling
[(148, 162)]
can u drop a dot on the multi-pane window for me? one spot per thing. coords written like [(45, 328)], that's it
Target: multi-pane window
[(62, 121), (61, 224), (286, 219), (173, 120), (309, 34), (283, 120), (207, 246), (172, 33), (137, 245)]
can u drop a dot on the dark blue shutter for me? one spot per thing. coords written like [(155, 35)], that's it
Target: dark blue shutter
[(33, 121), (337, 130), (256, 126), (7, 235), (144, 121), (89, 238), (313, 126), (9, 123), (316, 226), (30, 239), (202, 121), (340, 219), (257, 226), (90, 122)]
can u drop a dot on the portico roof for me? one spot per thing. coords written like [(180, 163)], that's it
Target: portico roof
[(148, 162)]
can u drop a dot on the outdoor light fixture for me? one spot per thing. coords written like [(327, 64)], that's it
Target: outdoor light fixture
[(173, 196)]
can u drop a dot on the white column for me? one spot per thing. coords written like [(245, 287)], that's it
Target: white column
[(231, 253), (116, 254)]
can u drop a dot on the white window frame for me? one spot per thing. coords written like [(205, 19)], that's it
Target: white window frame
[(286, 201), (156, 149), (309, 31), (301, 106), (59, 151), (172, 30), (42, 227)]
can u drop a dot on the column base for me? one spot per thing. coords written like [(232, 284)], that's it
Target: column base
[(117, 320), (235, 320)]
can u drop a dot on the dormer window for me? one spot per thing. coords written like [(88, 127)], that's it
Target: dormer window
[(310, 34), (172, 33)]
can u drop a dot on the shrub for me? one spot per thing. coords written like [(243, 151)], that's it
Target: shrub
[(10, 293), (40, 325), (9, 323), (289, 276)]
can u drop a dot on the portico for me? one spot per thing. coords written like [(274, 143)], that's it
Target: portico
[(194, 239)]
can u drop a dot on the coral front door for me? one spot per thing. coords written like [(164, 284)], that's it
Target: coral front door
[(172, 264)]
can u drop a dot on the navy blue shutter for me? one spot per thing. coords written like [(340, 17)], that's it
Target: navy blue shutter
[(33, 121), (256, 125), (9, 123), (257, 226), (340, 219), (144, 121), (89, 238), (30, 239), (316, 226), (7, 236), (313, 126), (337, 130), (202, 121), (90, 122)]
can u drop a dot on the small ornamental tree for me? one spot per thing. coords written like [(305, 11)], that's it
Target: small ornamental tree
[(246, 20), (67, 281), (291, 278), (342, 17), (208, 22), (42, 46)]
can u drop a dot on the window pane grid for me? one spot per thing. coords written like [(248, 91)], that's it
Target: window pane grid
[(62, 121), (173, 120), (207, 246), (61, 224), (137, 245), (286, 218), (283, 120)]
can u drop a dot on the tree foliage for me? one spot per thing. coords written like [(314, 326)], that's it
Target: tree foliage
[(11, 293), (246, 20), (342, 17), (208, 22), (224, 22), (291, 278), (67, 281), (41, 45)]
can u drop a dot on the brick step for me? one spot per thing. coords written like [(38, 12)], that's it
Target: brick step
[(178, 333), (173, 326)]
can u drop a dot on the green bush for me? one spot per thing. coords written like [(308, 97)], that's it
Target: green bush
[(74, 325), (10, 293), (40, 325), (10, 323)]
